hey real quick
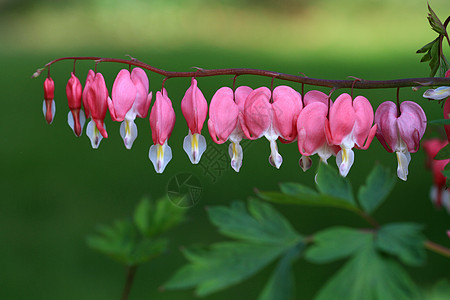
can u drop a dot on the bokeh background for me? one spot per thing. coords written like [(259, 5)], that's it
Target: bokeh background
[(55, 189)]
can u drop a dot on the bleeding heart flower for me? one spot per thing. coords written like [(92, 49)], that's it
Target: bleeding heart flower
[(96, 95), (273, 119), (76, 117), (130, 98), (400, 133), (89, 78), (439, 194), (48, 106), (348, 125), (311, 129), (224, 113), (162, 121), (195, 109)]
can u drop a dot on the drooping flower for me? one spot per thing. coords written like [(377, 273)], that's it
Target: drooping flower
[(162, 121), (130, 98), (400, 133), (76, 117), (96, 95), (48, 106), (272, 118), (89, 78), (224, 123), (195, 109), (439, 194), (349, 124), (311, 129)]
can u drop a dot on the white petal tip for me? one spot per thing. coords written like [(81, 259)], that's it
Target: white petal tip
[(194, 145), (160, 156)]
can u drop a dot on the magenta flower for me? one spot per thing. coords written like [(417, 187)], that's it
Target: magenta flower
[(273, 119), (349, 124), (400, 133), (48, 106), (89, 78), (96, 95), (76, 117), (224, 123), (311, 129), (162, 121), (195, 109), (130, 98)]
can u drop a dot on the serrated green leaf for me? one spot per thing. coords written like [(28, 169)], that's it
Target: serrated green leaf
[(439, 122), (223, 265), (153, 218), (435, 60), (141, 215), (426, 57), (434, 21), (296, 189), (281, 283), (369, 276), (427, 47), (329, 182), (379, 184), (337, 243), (403, 240), (307, 200), (444, 153), (260, 224)]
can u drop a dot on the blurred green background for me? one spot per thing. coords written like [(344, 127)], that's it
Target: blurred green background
[(56, 189)]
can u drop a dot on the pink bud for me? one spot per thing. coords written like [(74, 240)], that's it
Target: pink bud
[(194, 108), (123, 95), (97, 101), (223, 115), (74, 92), (90, 77), (49, 103)]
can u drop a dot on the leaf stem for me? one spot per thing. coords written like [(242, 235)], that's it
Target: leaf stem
[(368, 218), (335, 84), (444, 251), (131, 271)]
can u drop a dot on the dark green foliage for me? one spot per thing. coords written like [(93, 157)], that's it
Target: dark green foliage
[(379, 185), (135, 241)]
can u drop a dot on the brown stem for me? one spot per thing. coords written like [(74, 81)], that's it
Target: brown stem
[(437, 248), (369, 219), (336, 84), (131, 271)]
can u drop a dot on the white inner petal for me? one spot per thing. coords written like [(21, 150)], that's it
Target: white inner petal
[(344, 160), (94, 134), (194, 145), (128, 132), (236, 155), (160, 156)]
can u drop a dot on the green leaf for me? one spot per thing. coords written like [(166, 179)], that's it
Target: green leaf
[(369, 276), (444, 153), (307, 200), (440, 291), (281, 283), (428, 46), (155, 218), (403, 240), (440, 122), (336, 243), (223, 265), (435, 59), (329, 182), (426, 57), (296, 189), (378, 186), (260, 223), (435, 23)]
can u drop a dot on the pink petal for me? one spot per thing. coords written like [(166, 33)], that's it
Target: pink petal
[(194, 108), (364, 119), (411, 124), (97, 95), (257, 113), (123, 95), (90, 77), (310, 126), (287, 104), (240, 95), (342, 119), (73, 92), (162, 118), (386, 120), (315, 96), (223, 115), (143, 98)]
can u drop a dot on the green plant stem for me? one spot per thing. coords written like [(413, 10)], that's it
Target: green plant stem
[(437, 248), (131, 271), (369, 219)]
